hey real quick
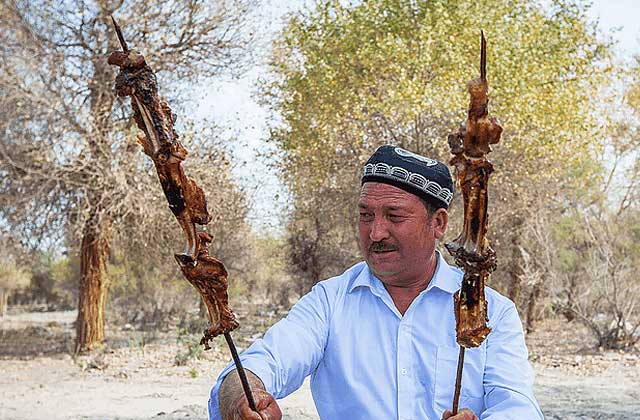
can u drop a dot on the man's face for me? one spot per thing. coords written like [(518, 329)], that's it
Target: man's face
[(397, 236)]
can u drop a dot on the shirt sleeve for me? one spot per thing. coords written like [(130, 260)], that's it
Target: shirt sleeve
[(289, 351), (508, 376)]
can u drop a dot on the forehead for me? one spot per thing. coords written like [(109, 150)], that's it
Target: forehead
[(377, 194)]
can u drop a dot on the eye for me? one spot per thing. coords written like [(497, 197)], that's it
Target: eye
[(396, 218), (366, 216)]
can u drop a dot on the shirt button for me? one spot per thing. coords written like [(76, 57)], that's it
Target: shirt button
[(403, 371)]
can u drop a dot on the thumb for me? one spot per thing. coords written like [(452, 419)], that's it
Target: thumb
[(447, 414), (242, 411), (269, 409)]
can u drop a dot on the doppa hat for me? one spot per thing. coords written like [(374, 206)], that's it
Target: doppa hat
[(425, 177)]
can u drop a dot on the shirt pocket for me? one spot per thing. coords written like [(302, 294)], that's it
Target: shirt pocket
[(472, 390)]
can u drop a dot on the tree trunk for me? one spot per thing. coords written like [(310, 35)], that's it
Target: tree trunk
[(94, 280), (516, 270), (4, 296), (536, 292), (94, 283)]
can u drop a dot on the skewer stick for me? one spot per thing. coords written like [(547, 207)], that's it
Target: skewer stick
[(456, 393), (123, 43), (227, 336), (480, 262), (241, 372), (483, 56)]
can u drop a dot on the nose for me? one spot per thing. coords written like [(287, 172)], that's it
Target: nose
[(379, 230)]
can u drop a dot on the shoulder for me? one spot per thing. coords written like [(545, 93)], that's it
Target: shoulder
[(329, 294), (343, 282), (499, 306), (497, 302)]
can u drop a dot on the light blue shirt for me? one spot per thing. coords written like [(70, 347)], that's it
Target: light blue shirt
[(367, 361)]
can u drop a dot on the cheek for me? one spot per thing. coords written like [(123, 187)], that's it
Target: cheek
[(363, 233), (420, 240)]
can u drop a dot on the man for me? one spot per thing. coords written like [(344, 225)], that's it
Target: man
[(379, 340)]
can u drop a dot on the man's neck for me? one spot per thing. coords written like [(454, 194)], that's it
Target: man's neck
[(404, 295)]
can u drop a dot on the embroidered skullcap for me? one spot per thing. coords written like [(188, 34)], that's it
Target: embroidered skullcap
[(425, 177)]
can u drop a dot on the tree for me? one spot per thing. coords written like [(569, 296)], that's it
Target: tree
[(68, 157), (12, 277), (594, 273), (594, 279), (347, 79)]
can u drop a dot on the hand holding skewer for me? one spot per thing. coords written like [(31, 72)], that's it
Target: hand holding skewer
[(464, 414)]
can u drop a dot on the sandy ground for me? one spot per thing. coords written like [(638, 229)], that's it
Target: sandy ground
[(136, 376)]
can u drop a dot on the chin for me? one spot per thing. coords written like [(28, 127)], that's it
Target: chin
[(380, 271)]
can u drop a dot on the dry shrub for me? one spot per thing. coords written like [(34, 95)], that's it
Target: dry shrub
[(596, 280)]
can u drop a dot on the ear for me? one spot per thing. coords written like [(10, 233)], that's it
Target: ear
[(439, 222)]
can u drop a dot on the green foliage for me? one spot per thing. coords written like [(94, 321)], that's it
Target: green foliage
[(65, 275), (271, 281), (13, 276), (189, 348), (51, 280), (148, 293), (344, 72), (388, 71)]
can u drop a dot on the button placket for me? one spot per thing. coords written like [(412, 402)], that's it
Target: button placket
[(405, 400)]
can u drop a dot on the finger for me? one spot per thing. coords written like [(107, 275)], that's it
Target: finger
[(464, 414), (246, 413), (268, 408), (468, 414), (263, 400), (242, 411), (272, 412)]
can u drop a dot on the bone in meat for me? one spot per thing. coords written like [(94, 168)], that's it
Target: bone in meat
[(209, 277), (471, 249)]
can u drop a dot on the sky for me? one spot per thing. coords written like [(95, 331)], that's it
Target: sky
[(622, 17), (233, 104)]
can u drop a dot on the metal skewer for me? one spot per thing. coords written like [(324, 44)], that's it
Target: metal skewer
[(470, 262), (456, 393), (241, 373), (123, 43), (227, 336)]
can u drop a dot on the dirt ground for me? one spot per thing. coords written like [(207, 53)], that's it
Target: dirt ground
[(136, 375)]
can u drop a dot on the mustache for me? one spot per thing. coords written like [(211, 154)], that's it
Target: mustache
[(382, 246)]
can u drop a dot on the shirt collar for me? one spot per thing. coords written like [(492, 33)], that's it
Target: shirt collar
[(364, 278), (445, 278)]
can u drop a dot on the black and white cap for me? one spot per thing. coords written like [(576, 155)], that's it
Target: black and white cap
[(425, 177)]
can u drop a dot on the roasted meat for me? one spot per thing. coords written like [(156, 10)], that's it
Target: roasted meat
[(209, 277), (160, 142), (471, 249), (186, 199)]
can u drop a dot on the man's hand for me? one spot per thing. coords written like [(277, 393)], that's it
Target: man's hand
[(234, 404), (266, 405), (464, 414)]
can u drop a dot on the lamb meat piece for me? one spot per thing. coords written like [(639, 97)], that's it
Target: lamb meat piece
[(209, 277), (160, 142), (471, 249), (186, 199)]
